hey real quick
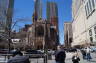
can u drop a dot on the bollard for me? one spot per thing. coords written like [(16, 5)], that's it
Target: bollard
[(49, 56), (37, 60), (45, 58)]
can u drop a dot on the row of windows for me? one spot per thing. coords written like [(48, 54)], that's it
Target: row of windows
[(84, 1), (90, 7), (90, 34)]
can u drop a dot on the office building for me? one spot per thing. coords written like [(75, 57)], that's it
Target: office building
[(67, 34), (3, 12), (52, 17), (6, 11)]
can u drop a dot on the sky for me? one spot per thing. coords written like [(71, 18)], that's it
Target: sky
[(25, 8)]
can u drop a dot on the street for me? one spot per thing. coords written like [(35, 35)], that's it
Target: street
[(68, 59)]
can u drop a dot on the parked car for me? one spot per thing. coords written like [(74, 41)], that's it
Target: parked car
[(3, 51), (41, 50), (93, 49), (71, 50), (51, 51), (34, 54), (12, 51)]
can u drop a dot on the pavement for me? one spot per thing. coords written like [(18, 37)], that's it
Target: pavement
[(93, 60), (68, 59), (3, 59)]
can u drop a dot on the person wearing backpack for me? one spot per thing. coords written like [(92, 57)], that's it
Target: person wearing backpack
[(75, 58)]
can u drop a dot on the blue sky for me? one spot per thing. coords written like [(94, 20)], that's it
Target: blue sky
[(25, 8)]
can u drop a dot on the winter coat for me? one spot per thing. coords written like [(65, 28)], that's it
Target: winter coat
[(19, 59), (60, 56), (75, 59)]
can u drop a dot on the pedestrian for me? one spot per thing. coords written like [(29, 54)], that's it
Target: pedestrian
[(88, 55), (18, 58), (83, 53), (60, 55), (75, 58)]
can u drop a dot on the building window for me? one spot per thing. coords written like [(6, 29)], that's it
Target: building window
[(91, 39), (90, 32), (84, 1), (86, 10), (95, 29), (93, 3), (90, 7), (95, 36)]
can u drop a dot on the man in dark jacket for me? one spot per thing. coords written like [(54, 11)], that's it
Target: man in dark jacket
[(75, 58), (60, 55), (18, 58)]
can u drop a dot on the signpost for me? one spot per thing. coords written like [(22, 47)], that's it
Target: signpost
[(15, 41)]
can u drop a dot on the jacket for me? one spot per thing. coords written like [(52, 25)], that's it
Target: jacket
[(19, 59)]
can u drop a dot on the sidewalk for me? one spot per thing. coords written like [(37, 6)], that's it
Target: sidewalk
[(81, 59), (69, 60)]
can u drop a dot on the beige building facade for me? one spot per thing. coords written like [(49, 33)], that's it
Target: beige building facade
[(84, 22)]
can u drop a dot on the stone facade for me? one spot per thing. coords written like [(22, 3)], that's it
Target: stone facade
[(84, 22), (38, 34)]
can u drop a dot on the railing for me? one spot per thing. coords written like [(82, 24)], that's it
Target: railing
[(4, 57), (34, 55)]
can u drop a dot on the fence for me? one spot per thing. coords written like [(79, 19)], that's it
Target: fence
[(37, 58)]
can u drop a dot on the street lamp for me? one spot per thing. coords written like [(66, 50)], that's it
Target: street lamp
[(46, 38)]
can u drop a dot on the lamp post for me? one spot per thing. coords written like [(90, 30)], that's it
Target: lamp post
[(9, 20), (45, 40)]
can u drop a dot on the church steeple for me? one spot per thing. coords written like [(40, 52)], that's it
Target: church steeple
[(34, 17), (37, 10)]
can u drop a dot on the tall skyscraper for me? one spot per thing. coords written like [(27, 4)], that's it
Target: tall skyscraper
[(38, 8), (52, 10), (6, 11), (67, 34), (52, 16), (10, 14), (3, 12)]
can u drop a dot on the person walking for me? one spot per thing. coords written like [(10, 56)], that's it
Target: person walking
[(75, 58), (18, 58), (88, 55), (60, 55), (83, 53)]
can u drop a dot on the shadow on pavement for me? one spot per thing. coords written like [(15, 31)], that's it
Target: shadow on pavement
[(93, 61)]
